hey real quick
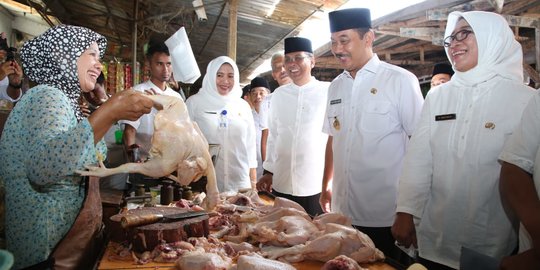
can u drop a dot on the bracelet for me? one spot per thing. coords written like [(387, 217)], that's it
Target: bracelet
[(267, 172), (16, 86)]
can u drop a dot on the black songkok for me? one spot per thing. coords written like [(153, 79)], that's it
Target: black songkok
[(351, 18), (297, 44), (442, 68), (259, 82)]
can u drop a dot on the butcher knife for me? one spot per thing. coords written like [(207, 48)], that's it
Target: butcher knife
[(145, 219)]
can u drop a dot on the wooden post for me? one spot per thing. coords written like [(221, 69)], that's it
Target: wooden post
[(537, 52), (233, 19), (134, 43)]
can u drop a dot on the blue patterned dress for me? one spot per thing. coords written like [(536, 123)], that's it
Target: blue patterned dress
[(41, 146)]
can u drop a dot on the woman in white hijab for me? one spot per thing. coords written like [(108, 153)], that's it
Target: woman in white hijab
[(226, 119), (449, 184)]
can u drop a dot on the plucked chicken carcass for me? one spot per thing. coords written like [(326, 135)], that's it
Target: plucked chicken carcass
[(336, 240), (177, 145), (256, 262)]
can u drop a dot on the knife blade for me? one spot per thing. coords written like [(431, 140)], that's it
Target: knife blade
[(145, 219)]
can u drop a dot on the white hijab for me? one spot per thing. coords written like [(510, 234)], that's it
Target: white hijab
[(209, 88), (499, 54)]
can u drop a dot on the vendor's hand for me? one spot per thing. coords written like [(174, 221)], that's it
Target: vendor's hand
[(265, 183), (325, 200), (403, 230), (523, 261), (127, 105)]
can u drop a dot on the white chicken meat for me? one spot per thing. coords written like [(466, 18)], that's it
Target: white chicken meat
[(177, 145)]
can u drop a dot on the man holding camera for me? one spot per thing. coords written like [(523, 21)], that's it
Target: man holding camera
[(10, 72)]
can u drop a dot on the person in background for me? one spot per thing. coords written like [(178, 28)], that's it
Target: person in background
[(46, 138), (225, 119), (259, 89), (520, 186), (278, 69), (372, 109), (450, 177), (296, 144), (245, 93), (442, 73), (11, 75), (138, 134)]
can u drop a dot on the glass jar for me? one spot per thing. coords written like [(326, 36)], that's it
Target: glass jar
[(177, 192), (139, 190), (187, 193), (167, 192)]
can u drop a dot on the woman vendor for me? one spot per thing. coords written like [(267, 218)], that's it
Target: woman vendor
[(46, 138)]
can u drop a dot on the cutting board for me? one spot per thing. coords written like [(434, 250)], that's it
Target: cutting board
[(147, 237)]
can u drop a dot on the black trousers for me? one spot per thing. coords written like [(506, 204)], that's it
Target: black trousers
[(385, 242), (310, 203)]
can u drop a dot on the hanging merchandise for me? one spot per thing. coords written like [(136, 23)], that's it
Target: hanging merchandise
[(128, 81), (137, 78), (120, 84), (111, 77)]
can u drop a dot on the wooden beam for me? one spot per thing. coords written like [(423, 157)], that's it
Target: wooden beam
[(328, 62), (497, 4), (533, 74), (233, 21), (421, 33), (522, 21)]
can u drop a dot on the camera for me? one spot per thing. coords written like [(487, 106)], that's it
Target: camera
[(10, 51)]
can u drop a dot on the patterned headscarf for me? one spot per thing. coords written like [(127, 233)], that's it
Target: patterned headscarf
[(51, 58)]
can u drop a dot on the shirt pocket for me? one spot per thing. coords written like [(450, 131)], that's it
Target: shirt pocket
[(376, 116)]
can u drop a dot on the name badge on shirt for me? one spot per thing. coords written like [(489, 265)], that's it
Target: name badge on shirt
[(444, 117), (335, 101)]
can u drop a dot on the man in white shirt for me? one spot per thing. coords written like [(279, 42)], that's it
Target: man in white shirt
[(296, 145), (138, 134), (258, 90), (372, 109)]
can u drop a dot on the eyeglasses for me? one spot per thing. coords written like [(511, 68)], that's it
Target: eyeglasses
[(459, 36), (296, 59)]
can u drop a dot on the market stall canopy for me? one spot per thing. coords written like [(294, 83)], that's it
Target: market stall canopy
[(261, 24), (410, 37)]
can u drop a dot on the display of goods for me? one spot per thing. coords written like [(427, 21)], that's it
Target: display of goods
[(128, 75), (111, 77)]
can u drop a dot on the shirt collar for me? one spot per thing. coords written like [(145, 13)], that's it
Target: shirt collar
[(371, 66), (312, 81)]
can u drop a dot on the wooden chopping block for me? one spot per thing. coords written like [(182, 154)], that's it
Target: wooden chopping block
[(147, 237)]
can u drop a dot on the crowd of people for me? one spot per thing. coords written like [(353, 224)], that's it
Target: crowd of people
[(448, 176)]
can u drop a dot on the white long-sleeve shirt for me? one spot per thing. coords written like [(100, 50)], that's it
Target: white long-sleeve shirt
[(451, 174), (370, 118), (237, 140), (296, 144), (523, 150)]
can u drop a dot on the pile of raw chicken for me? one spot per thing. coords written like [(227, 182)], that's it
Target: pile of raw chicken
[(246, 230), (249, 233)]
